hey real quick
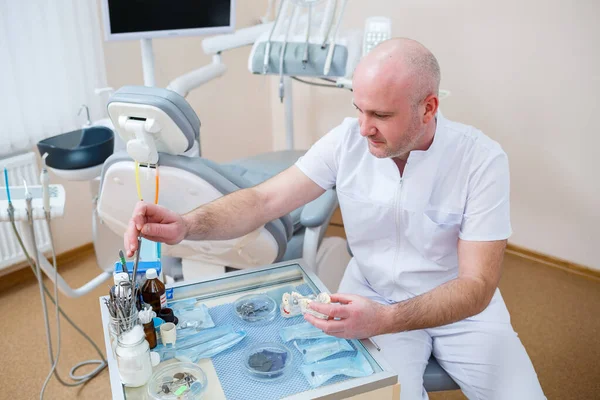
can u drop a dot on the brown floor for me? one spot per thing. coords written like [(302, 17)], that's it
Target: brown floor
[(556, 313)]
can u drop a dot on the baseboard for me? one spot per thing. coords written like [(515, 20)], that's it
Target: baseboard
[(21, 272), (336, 228), (552, 261)]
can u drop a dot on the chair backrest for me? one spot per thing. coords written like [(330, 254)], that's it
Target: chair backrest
[(186, 183)]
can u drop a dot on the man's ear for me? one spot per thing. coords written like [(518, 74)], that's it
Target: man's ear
[(431, 103)]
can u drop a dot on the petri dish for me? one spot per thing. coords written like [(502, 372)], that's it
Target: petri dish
[(255, 308), (268, 361), (179, 380)]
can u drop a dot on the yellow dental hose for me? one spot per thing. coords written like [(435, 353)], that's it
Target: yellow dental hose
[(156, 190), (139, 186)]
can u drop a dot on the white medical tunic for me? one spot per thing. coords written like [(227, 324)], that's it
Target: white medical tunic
[(403, 230)]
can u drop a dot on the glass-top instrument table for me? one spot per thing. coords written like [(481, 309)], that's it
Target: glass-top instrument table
[(218, 292)]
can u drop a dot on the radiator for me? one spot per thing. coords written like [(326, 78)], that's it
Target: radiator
[(21, 167)]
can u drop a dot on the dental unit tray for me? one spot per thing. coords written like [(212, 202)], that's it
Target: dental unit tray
[(292, 60), (227, 371), (232, 365)]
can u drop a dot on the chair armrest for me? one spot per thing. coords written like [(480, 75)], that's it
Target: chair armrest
[(320, 210)]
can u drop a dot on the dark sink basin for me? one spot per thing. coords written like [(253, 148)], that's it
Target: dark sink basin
[(83, 148)]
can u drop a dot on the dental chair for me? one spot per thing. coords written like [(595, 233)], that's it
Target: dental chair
[(158, 126)]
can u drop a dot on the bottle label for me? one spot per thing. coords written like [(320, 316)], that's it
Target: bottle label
[(163, 300)]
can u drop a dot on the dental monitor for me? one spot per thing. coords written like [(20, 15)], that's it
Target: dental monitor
[(147, 19)]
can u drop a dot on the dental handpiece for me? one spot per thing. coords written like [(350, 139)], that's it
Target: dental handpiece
[(305, 57), (282, 53), (268, 45), (11, 208), (28, 202), (137, 260), (7, 185), (331, 49), (45, 181), (328, 21)]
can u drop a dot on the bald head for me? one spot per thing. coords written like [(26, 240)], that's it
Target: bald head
[(401, 64), (396, 95)]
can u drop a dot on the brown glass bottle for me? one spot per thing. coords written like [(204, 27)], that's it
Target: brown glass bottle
[(153, 291), (150, 333)]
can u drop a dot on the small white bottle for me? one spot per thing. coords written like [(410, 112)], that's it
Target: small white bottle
[(121, 278), (133, 358)]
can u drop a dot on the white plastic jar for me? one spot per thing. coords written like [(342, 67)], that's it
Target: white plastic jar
[(133, 357)]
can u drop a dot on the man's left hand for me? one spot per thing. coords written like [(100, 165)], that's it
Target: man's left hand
[(352, 317)]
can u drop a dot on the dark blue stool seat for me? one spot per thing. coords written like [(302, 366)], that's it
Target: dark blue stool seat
[(435, 379)]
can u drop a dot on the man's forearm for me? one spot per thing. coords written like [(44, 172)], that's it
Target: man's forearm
[(228, 217), (451, 302)]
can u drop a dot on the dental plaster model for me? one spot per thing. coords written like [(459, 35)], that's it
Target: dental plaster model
[(293, 304)]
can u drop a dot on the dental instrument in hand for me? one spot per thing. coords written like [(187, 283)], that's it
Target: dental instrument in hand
[(135, 268)]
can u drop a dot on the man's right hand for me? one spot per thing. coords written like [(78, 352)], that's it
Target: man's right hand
[(155, 223)]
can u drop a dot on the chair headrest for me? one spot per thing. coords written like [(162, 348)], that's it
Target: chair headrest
[(174, 124)]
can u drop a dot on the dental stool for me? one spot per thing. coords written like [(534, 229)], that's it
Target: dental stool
[(436, 379), (158, 126)]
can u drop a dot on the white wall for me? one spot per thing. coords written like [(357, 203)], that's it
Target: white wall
[(525, 72)]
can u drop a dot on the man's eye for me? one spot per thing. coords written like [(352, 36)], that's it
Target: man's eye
[(380, 116)]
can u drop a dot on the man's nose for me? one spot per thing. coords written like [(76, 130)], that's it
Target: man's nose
[(367, 128)]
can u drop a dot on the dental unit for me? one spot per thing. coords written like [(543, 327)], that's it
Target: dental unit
[(23, 205)]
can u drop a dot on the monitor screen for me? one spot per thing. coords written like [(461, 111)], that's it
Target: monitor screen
[(144, 19)]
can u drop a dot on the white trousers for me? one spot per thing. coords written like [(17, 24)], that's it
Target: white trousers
[(483, 353)]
